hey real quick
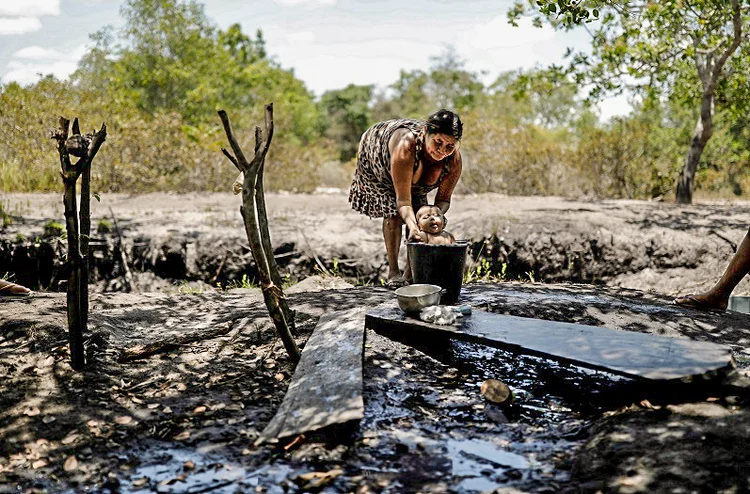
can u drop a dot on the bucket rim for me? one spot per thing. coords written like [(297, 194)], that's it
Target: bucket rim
[(459, 243)]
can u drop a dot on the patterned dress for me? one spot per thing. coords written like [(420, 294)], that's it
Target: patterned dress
[(372, 191)]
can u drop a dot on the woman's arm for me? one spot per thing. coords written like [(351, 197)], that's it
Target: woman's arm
[(445, 191), (403, 154)]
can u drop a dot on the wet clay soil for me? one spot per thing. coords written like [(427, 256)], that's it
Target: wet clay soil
[(185, 420)]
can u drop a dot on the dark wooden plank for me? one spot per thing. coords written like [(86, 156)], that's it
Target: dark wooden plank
[(326, 388), (636, 355)]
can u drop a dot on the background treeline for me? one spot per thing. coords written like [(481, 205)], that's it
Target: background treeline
[(158, 82)]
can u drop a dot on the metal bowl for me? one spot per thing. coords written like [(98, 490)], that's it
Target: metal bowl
[(414, 298)]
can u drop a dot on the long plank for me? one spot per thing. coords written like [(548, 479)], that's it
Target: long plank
[(635, 355), (326, 388)]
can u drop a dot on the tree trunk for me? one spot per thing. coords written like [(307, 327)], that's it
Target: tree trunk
[(710, 68), (704, 129), (265, 237)]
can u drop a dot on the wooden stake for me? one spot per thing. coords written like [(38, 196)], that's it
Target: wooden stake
[(254, 216), (78, 241)]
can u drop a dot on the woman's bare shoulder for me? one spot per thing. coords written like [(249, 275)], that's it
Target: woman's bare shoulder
[(402, 140)]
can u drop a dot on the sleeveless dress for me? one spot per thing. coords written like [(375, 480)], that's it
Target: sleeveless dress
[(372, 191)]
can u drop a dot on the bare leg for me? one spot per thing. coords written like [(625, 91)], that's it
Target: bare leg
[(407, 272), (8, 288), (392, 236), (718, 296)]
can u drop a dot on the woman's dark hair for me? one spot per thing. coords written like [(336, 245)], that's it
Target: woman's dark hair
[(445, 122)]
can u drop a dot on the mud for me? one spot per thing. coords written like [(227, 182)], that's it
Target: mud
[(185, 420), (173, 240)]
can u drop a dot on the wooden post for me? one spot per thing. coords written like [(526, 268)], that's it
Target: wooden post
[(85, 235), (253, 212), (85, 148)]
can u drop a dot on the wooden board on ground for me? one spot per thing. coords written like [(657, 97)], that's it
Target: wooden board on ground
[(635, 355), (326, 388)]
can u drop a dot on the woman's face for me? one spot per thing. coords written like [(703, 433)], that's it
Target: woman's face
[(440, 146)]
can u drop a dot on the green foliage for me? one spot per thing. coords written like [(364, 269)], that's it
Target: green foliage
[(103, 226), (512, 159), (417, 94), (53, 229), (689, 51), (567, 13), (185, 287), (345, 115), (158, 82), (243, 283), (5, 218), (482, 273)]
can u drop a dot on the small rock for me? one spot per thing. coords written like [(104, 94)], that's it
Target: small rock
[(496, 391), (71, 464)]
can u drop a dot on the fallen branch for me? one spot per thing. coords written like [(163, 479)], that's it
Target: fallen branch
[(154, 347), (321, 266), (732, 244), (221, 266)]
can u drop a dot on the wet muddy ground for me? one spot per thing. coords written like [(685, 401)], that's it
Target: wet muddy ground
[(185, 420)]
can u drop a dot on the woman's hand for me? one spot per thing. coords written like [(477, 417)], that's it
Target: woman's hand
[(414, 235)]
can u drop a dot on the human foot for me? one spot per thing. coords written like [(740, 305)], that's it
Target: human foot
[(702, 301), (395, 283), (13, 289)]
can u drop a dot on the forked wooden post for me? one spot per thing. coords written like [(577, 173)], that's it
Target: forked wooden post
[(85, 148), (253, 212)]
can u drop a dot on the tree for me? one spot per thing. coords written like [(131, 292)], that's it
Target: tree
[(417, 94), (346, 114), (689, 49), (528, 97)]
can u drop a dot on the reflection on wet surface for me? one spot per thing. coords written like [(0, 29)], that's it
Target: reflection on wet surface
[(427, 427)]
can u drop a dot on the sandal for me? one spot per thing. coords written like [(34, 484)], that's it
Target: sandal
[(394, 284)]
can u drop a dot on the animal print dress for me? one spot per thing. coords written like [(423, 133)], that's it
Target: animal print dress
[(372, 191)]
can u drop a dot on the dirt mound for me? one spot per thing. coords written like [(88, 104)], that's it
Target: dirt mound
[(171, 240)]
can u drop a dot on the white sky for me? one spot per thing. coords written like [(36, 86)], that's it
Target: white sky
[(328, 43)]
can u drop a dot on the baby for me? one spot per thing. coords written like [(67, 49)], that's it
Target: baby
[(431, 222)]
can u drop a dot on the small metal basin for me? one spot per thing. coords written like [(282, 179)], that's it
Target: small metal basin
[(414, 298)]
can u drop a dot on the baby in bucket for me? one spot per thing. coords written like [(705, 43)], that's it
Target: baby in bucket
[(431, 223)]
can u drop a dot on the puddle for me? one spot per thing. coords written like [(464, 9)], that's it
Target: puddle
[(426, 428), (481, 464), (164, 471)]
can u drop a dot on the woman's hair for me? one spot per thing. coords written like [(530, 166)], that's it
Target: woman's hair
[(445, 122)]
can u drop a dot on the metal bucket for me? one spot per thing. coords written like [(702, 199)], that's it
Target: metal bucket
[(739, 303), (441, 265)]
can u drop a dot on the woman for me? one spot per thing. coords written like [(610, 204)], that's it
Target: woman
[(398, 163)]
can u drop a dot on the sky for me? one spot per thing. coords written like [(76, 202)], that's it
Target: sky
[(328, 43)]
